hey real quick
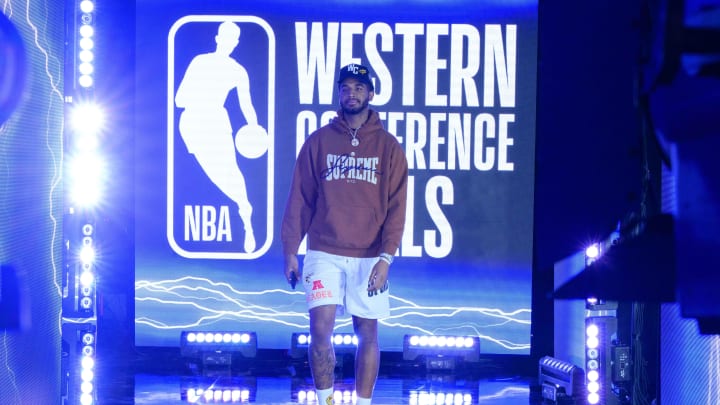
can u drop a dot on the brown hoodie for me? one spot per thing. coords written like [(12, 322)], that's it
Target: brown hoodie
[(349, 200)]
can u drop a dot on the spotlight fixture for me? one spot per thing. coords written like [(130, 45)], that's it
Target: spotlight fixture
[(342, 342), (217, 348), (560, 380), (85, 44), (79, 280), (600, 333), (441, 352), (592, 253), (79, 363)]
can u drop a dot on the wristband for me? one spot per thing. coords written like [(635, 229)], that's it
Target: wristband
[(387, 258)]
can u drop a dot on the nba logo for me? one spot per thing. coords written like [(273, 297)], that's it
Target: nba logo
[(220, 140)]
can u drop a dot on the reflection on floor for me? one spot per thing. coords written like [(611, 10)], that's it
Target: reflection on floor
[(166, 380), (169, 390)]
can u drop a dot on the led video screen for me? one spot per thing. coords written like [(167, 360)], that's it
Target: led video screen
[(454, 82), (32, 45)]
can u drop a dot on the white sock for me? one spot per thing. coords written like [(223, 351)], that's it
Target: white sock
[(363, 401), (325, 397)]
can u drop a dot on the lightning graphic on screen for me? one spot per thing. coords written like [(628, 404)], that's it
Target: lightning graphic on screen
[(52, 71), (42, 93), (201, 302), (9, 374)]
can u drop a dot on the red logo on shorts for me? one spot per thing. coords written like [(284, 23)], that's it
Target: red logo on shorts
[(317, 285)]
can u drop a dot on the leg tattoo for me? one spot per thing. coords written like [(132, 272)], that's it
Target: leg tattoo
[(322, 365)]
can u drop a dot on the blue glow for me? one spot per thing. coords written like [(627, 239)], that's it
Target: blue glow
[(199, 263)]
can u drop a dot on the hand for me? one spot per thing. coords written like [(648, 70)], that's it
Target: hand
[(378, 277), (291, 267)]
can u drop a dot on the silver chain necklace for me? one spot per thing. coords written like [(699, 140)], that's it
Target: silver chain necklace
[(353, 133)]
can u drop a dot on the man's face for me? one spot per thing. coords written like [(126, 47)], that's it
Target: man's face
[(354, 96)]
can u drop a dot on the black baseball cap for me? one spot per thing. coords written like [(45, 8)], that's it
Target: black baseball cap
[(358, 72)]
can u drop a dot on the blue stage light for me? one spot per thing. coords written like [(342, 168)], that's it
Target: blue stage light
[(213, 349), (441, 352), (600, 330), (342, 342)]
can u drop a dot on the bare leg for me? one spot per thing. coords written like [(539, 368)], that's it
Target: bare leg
[(367, 357), (321, 352)]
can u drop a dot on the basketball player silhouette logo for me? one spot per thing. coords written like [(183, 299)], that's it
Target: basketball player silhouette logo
[(205, 125)]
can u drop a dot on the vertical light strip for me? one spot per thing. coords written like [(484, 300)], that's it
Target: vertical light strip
[(86, 44), (595, 374), (83, 193)]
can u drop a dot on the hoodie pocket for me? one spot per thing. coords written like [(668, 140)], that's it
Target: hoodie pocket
[(349, 226)]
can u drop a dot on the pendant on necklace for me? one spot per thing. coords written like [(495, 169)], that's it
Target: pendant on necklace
[(355, 142)]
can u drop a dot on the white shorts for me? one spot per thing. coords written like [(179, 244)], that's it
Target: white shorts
[(343, 281)]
